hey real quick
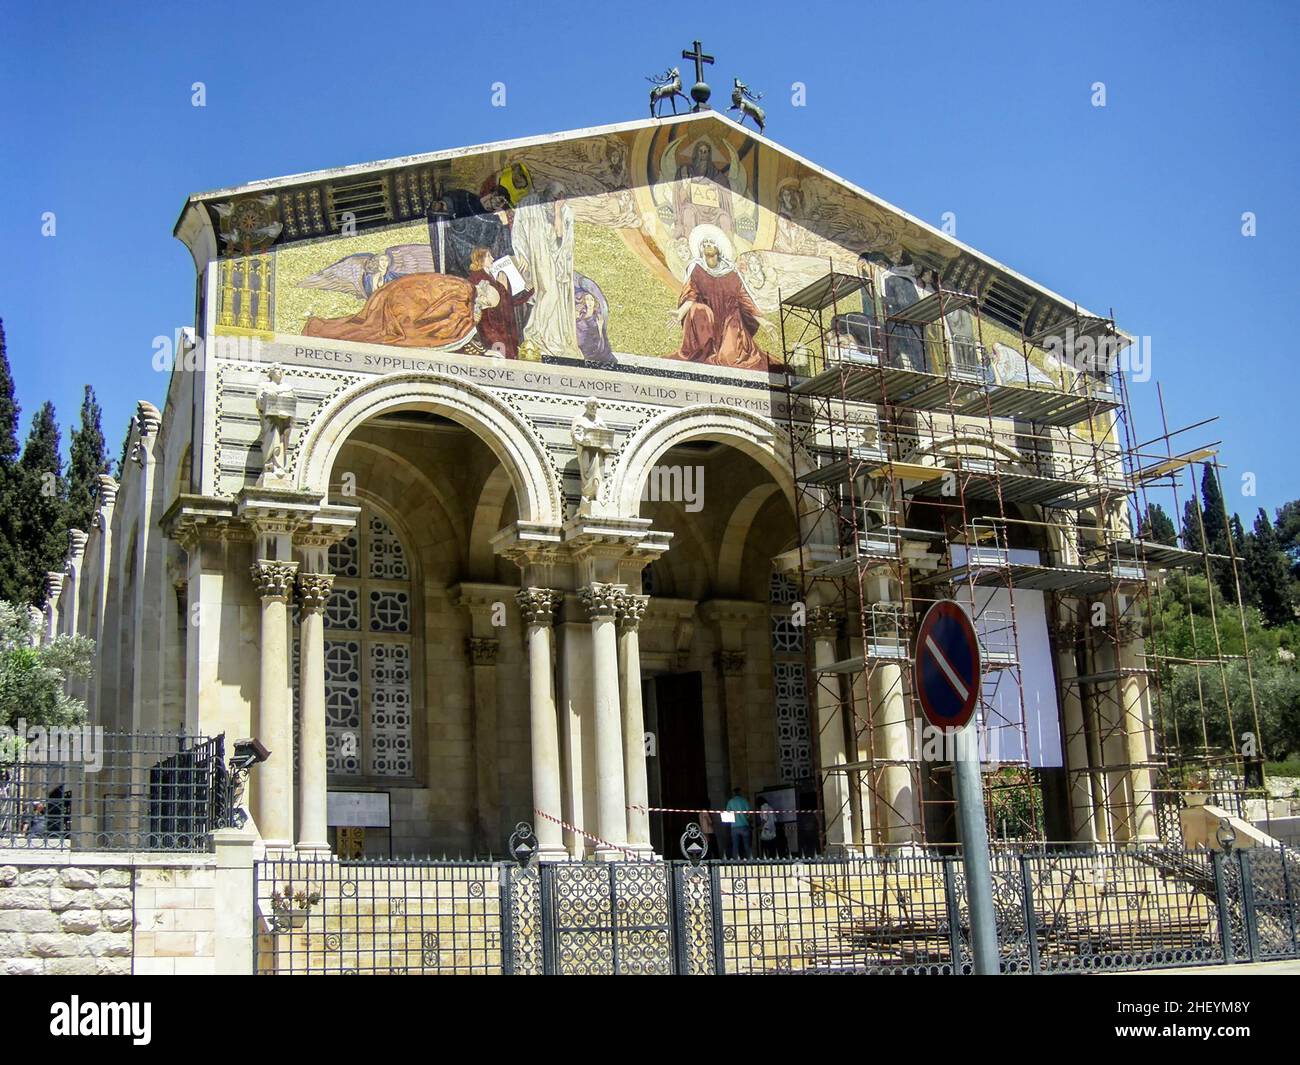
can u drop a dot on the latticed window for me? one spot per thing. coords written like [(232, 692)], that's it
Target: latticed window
[(789, 683), (368, 655)]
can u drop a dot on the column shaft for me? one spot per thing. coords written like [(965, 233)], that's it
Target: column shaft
[(538, 608), (611, 813), (822, 627), (273, 780), (631, 610), (313, 830)]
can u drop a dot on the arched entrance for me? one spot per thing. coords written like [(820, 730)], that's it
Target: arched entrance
[(426, 695), (715, 480)]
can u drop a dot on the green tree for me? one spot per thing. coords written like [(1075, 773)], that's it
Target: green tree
[(1191, 526), (1157, 527), (33, 676), (10, 555), (40, 499), (1287, 526), (86, 461), (1265, 573), (9, 409)]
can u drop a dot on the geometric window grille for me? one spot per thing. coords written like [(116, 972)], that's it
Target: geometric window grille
[(789, 683), (390, 709), (387, 559), (368, 655)]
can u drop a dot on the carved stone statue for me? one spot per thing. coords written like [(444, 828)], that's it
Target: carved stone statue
[(593, 440), (276, 406)]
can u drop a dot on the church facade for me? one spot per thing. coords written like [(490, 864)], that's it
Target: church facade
[(476, 493)]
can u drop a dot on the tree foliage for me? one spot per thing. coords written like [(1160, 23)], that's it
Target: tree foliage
[(33, 676)]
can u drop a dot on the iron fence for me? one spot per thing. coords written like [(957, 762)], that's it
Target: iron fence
[(1056, 911), (86, 789)]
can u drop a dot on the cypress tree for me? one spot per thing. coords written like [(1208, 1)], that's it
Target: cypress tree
[(1157, 527), (9, 409), (86, 461), (1191, 526), (1212, 512), (1266, 573), (11, 567), (40, 499)]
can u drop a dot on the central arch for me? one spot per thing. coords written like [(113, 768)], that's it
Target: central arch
[(514, 442), (750, 433)]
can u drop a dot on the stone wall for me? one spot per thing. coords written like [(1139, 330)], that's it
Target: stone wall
[(65, 920), (119, 914)]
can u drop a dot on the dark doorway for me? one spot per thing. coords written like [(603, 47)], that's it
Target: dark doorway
[(683, 783)]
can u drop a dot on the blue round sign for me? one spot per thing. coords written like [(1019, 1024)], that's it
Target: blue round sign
[(946, 665)]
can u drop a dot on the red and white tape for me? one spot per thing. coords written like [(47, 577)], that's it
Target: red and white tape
[(639, 856), (697, 810)]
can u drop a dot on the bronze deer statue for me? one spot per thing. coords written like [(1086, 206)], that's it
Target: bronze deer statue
[(667, 86), (746, 103)]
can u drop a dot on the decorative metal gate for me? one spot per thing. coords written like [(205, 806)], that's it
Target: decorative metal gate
[(608, 919)]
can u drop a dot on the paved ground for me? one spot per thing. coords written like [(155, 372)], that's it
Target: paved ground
[(1263, 968)]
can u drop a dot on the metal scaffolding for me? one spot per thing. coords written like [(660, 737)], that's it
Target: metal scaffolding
[(927, 470)]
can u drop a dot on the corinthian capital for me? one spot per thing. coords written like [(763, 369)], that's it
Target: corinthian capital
[(274, 580), (631, 609), (314, 591), (537, 605), (823, 622), (482, 650), (601, 600)]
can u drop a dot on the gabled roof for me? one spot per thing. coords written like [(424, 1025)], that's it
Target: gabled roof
[(966, 267)]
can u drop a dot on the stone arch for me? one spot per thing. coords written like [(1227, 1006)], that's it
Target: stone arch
[(750, 433), (731, 553), (488, 509), (514, 442)]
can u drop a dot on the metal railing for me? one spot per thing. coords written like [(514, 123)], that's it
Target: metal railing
[(87, 789), (1056, 910)]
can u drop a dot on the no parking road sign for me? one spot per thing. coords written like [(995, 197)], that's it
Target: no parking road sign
[(946, 666)]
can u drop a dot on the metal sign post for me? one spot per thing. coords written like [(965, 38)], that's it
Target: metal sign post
[(946, 673)]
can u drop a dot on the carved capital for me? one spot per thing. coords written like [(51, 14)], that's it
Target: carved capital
[(631, 609), (76, 543), (731, 663), (274, 580), (314, 591), (823, 622), (147, 422), (537, 605), (601, 600), (482, 650)]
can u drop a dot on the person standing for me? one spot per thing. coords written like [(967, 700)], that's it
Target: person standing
[(738, 807)]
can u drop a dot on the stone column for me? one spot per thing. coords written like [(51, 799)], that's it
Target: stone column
[(1077, 766), (823, 626), (731, 671), (273, 780), (313, 595), (104, 686), (1139, 740), (483, 651), (147, 646), (537, 605), (631, 608), (601, 603), (899, 807)]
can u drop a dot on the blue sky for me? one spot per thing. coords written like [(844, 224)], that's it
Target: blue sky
[(983, 110)]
